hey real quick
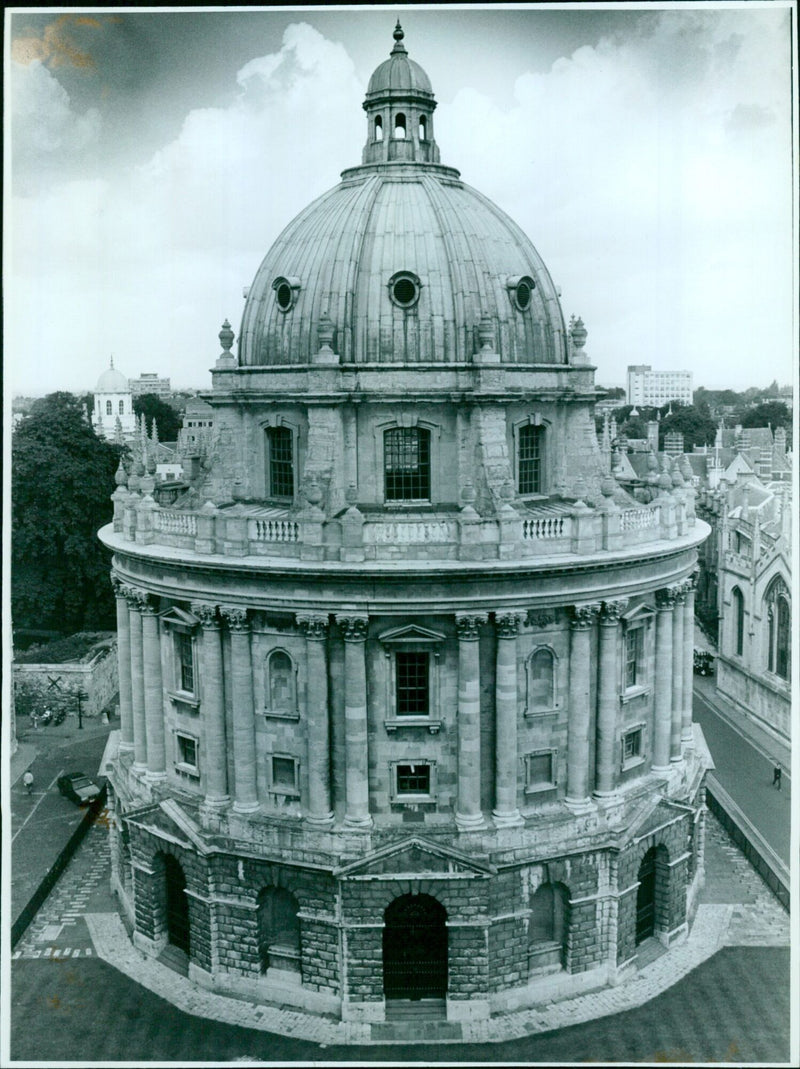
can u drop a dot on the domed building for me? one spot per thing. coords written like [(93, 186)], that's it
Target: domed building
[(405, 675), (113, 405)]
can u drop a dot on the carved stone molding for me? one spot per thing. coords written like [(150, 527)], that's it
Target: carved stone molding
[(467, 625), (118, 586), (314, 625), (540, 618), (354, 626), (236, 617), (612, 611), (138, 600), (206, 614), (508, 623), (584, 616), (665, 599)]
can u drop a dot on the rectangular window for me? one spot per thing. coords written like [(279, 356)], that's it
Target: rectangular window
[(280, 463), (632, 750), (284, 775), (540, 771), (412, 684), (407, 464), (529, 460), (634, 639), (184, 649), (187, 753), (413, 779)]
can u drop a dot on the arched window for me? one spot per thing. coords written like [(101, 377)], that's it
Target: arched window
[(407, 464), (378, 128), (280, 463), (108, 408), (278, 930), (737, 600), (400, 126), (529, 459), (280, 683), (779, 617), (423, 128), (541, 680), (122, 408)]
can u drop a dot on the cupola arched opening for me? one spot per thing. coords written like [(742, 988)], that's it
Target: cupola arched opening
[(400, 126), (378, 128), (423, 128)]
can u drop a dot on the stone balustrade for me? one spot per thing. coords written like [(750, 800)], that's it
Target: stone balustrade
[(558, 528)]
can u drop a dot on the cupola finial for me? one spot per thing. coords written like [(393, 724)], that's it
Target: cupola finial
[(398, 38)]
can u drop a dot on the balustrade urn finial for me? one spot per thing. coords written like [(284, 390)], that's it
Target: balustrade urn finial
[(226, 337)]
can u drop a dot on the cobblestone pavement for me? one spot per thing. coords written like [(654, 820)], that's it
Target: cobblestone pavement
[(79, 920)]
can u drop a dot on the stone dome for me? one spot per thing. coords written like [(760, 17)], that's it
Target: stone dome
[(403, 258), (112, 381)]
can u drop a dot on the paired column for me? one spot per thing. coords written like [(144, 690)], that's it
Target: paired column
[(468, 806), (678, 671), (506, 811), (665, 605), (244, 731), (213, 707), (354, 627), (136, 601), (121, 593), (153, 692), (608, 697), (580, 667), (315, 628), (687, 734)]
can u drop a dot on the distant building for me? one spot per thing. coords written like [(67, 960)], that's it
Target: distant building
[(149, 382), (657, 388), (198, 422), (113, 405)]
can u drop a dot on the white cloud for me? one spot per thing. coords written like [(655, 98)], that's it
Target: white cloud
[(43, 119)]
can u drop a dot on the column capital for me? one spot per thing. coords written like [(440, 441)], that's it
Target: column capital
[(584, 616), (508, 623), (691, 582), (467, 625), (666, 598), (611, 611), (236, 617), (139, 600), (314, 625), (354, 626), (118, 586), (148, 603), (206, 614)]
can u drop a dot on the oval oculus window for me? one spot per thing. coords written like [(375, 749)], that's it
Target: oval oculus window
[(286, 292), (404, 289)]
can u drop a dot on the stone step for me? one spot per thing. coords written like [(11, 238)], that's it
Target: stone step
[(175, 958), (420, 1031)]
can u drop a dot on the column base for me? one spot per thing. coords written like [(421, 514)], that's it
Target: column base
[(580, 806), (138, 769), (678, 759), (125, 747), (687, 736), (470, 821), (216, 801), (606, 797), (359, 823), (320, 822), (246, 807), (155, 777), (507, 819), (662, 771)]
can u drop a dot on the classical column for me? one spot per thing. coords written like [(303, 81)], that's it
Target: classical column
[(153, 692), (678, 669), (121, 593), (687, 734), (315, 628), (608, 689), (135, 601), (662, 683), (505, 781), (354, 627), (580, 667), (244, 728), (468, 806), (212, 707)]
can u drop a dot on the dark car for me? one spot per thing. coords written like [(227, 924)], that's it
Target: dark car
[(703, 662), (78, 787)]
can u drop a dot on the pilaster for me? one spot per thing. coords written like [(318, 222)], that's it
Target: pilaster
[(468, 806)]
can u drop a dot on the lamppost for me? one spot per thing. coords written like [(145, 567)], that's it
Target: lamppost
[(80, 696)]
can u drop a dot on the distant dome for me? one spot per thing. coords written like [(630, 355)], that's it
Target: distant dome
[(403, 258), (112, 381)]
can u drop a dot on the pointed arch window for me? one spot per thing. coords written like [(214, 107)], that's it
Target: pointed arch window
[(400, 126), (779, 617), (737, 599)]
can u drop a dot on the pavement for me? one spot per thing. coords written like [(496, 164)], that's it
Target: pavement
[(78, 935)]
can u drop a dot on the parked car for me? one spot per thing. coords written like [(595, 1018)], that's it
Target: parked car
[(703, 662), (78, 787)]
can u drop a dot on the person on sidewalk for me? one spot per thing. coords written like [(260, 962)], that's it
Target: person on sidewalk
[(776, 777), (27, 779)]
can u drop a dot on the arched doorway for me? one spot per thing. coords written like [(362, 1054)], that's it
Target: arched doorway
[(415, 948), (646, 897), (177, 904)]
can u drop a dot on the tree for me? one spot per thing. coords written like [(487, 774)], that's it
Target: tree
[(167, 419), (694, 422), (62, 478), (772, 413)]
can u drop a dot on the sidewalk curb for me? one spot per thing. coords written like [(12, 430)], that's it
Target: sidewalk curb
[(717, 706)]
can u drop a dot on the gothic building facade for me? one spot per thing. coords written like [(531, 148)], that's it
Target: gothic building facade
[(405, 674)]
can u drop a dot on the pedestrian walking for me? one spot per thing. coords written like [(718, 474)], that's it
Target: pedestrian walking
[(27, 779), (776, 776)]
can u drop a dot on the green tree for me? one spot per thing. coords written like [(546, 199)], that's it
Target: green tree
[(153, 408), (62, 476), (695, 422), (772, 413)]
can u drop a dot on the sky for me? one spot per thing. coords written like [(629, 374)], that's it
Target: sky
[(155, 155)]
